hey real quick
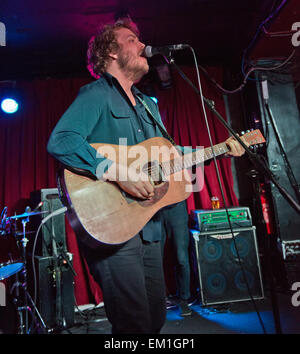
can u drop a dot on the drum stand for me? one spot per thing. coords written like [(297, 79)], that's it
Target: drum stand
[(23, 307)]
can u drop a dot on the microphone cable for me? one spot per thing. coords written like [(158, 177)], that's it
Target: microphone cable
[(55, 213), (219, 180)]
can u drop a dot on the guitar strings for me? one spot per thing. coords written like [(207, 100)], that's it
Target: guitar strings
[(218, 148), (179, 163)]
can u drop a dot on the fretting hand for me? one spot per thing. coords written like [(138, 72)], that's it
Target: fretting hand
[(235, 148)]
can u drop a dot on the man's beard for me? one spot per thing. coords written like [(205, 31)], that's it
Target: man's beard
[(132, 67)]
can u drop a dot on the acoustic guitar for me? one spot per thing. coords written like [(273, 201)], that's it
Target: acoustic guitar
[(101, 213)]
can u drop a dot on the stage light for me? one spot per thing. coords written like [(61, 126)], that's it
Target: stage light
[(9, 105)]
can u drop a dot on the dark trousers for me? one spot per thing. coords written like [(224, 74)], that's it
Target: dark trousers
[(175, 228), (132, 283)]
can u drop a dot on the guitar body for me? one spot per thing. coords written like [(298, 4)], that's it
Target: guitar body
[(101, 213)]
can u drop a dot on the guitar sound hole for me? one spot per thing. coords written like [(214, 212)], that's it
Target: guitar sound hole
[(155, 172)]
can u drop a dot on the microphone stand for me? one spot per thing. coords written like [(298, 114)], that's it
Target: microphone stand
[(259, 165), (253, 174), (256, 160), (24, 322)]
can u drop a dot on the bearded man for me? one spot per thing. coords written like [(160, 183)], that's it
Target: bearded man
[(131, 274)]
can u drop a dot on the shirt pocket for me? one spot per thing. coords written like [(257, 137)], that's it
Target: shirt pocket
[(120, 113)]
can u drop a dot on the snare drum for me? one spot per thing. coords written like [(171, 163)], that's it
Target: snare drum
[(9, 268)]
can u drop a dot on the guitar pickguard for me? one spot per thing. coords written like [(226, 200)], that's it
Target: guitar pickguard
[(159, 192)]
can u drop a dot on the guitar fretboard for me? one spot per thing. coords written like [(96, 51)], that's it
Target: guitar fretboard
[(201, 155), (192, 159)]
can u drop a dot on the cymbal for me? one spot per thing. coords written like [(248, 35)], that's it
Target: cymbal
[(25, 215)]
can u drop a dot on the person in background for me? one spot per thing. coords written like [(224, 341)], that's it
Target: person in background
[(175, 229)]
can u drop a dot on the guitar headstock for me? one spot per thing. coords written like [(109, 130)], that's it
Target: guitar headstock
[(253, 137)]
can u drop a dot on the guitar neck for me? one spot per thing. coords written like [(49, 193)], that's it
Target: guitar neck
[(194, 158), (203, 155)]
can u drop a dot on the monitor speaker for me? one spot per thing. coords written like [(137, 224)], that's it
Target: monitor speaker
[(54, 229), (55, 303)]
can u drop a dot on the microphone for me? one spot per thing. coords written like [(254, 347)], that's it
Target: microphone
[(150, 51)]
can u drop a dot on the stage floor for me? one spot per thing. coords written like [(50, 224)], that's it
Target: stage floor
[(231, 318)]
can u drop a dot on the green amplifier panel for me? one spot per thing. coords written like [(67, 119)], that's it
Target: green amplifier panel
[(207, 220)]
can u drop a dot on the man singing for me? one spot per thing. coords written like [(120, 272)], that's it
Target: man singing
[(131, 274)]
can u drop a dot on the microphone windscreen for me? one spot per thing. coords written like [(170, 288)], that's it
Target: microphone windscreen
[(148, 51)]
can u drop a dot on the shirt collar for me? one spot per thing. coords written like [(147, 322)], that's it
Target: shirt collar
[(112, 81), (109, 78)]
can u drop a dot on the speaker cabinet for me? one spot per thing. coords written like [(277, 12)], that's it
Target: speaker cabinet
[(55, 303), (286, 120), (222, 278), (54, 228)]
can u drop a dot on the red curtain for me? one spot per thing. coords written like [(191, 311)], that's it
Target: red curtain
[(26, 166), (183, 117)]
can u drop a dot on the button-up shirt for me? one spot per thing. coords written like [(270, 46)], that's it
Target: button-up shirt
[(103, 113)]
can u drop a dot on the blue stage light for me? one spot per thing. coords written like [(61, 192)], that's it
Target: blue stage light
[(9, 105)]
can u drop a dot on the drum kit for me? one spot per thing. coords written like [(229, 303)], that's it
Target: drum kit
[(24, 303)]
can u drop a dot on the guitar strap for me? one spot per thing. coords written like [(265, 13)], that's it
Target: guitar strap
[(161, 128)]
